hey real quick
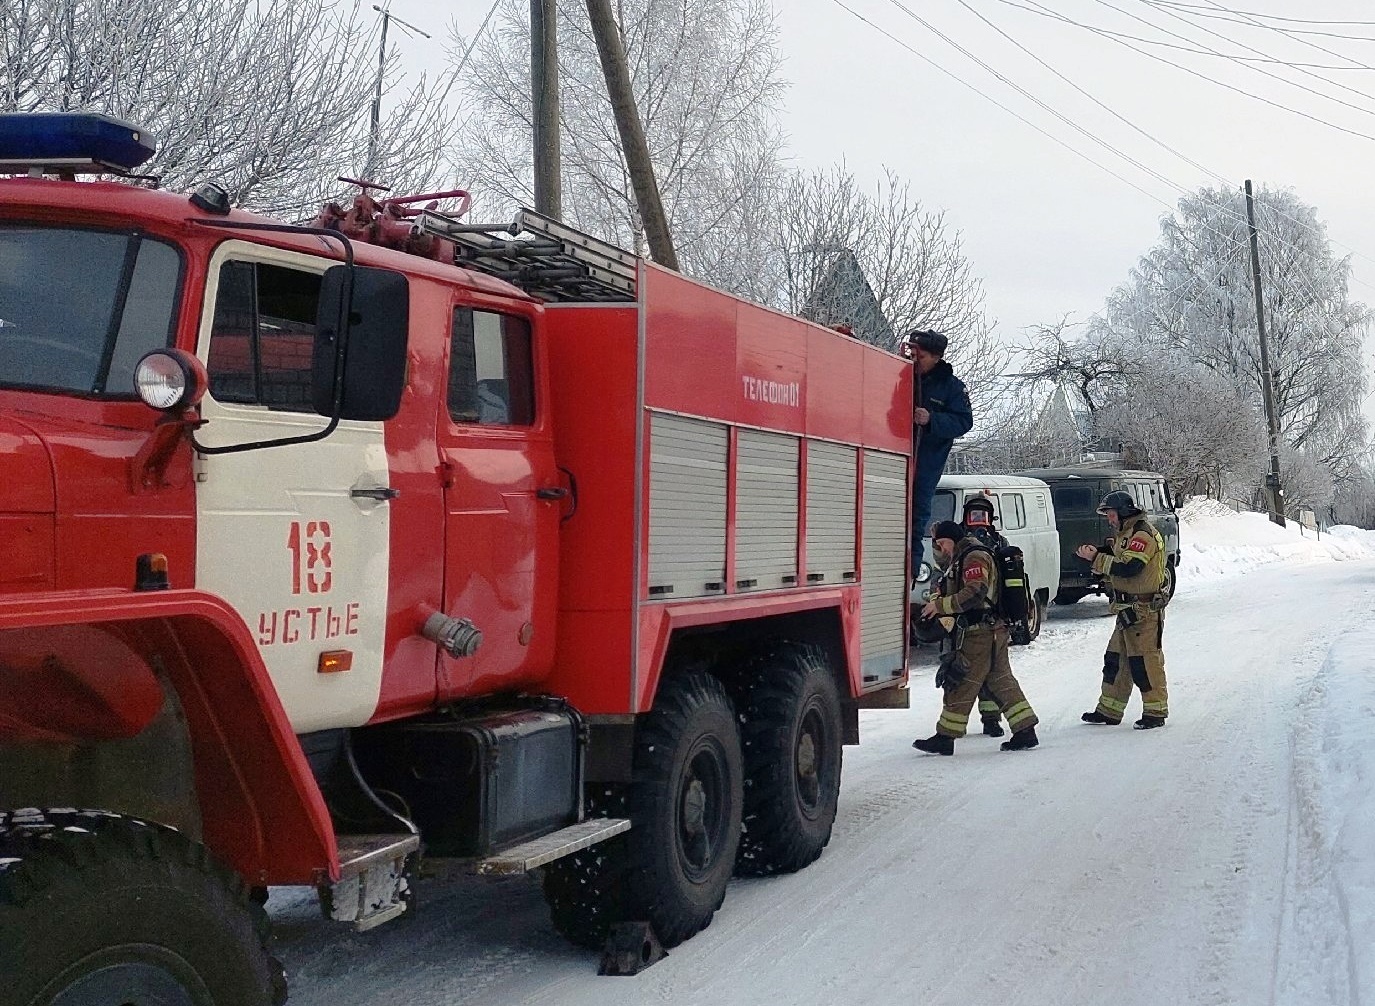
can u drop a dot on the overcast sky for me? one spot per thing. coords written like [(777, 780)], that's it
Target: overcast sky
[(1049, 232)]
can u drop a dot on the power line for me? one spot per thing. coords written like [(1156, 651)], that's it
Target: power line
[(1304, 225), (1161, 44), (1054, 15), (1278, 17), (1032, 98), (1016, 115), (1287, 32), (1111, 111), (1217, 176), (1248, 48)]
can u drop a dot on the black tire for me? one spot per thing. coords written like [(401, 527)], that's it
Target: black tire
[(1070, 596), (111, 911), (1171, 581), (684, 807), (791, 743), (1025, 633), (586, 891)]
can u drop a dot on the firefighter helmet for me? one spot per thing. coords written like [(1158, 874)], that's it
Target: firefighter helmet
[(1120, 502)]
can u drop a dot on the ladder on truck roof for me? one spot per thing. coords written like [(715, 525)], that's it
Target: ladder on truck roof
[(543, 257)]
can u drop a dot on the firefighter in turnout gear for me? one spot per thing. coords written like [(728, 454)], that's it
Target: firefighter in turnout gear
[(977, 652), (1133, 560), (978, 521)]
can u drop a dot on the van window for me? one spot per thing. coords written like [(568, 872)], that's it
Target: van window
[(1073, 497), (942, 506), (1013, 511)]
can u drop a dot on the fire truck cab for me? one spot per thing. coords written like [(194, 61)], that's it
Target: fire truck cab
[(330, 545)]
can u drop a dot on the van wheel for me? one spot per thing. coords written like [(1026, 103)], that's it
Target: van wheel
[(791, 740), (1070, 596), (99, 908), (1167, 586), (1026, 632)]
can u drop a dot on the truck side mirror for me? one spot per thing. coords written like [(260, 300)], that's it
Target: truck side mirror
[(361, 328)]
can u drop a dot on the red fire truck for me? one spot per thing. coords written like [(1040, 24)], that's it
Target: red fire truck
[(328, 545)]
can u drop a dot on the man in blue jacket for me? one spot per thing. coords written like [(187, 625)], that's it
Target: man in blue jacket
[(940, 413)]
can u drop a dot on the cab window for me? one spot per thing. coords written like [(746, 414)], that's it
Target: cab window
[(491, 369), (263, 336)]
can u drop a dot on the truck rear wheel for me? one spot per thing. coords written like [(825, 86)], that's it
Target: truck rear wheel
[(102, 910), (684, 807), (791, 740)]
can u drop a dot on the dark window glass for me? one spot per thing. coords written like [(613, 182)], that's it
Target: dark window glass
[(78, 308), (263, 336), (491, 369), (942, 506), (1069, 498)]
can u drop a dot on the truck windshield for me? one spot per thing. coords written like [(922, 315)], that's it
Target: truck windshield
[(78, 308)]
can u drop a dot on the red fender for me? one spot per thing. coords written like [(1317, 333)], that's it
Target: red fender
[(81, 665), (659, 622)]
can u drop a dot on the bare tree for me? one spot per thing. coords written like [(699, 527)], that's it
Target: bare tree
[(911, 259), (706, 79), (1092, 364), (270, 98)]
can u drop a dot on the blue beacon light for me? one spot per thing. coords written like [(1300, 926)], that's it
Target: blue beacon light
[(38, 143)]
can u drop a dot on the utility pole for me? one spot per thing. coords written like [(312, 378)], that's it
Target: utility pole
[(1272, 481), (387, 18), (636, 149), (544, 92)]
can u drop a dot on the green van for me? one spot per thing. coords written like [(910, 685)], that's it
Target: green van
[(1076, 491)]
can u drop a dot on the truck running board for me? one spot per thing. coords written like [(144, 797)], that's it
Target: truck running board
[(541, 851), (374, 886)]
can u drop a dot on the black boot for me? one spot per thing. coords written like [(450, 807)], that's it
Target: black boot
[(1022, 740), (1149, 722), (935, 744), (993, 728), (1096, 717)]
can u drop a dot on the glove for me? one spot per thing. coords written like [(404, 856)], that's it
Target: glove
[(1127, 617), (952, 671)]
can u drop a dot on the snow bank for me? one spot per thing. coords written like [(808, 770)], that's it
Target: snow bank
[(1217, 541)]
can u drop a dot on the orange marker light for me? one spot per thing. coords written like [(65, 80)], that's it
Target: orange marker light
[(334, 661)]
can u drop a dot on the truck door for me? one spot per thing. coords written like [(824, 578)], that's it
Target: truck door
[(503, 500), (281, 533)]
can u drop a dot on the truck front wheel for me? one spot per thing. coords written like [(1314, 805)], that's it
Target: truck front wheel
[(791, 739), (110, 911), (684, 806)]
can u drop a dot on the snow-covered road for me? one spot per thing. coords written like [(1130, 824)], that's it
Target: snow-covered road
[(1223, 860)]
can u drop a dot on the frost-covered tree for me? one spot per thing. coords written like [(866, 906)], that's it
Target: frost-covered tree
[(707, 83), (1190, 423), (1173, 363), (270, 98), (1192, 294)]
